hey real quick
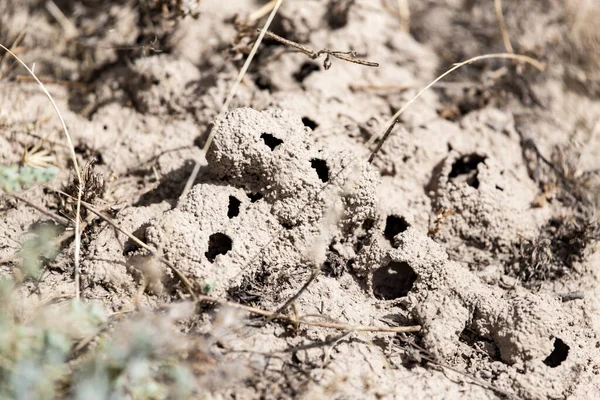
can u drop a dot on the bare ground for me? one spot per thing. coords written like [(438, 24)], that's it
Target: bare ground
[(476, 221)]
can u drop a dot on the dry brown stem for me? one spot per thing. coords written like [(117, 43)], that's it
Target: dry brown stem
[(303, 320)]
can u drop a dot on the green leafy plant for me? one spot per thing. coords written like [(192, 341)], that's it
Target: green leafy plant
[(41, 246), (33, 355), (14, 178)]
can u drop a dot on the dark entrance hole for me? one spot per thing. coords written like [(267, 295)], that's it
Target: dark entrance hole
[(218, 243), (309, 123), (305, 70), (393, 280), (393, 226), (234, 207), (558, 355), (465, 169), (271, 140), (322, 169), (254, 197)]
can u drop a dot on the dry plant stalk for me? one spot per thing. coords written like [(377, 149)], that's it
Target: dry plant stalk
[(232, 93), (502, 25), (394, 120), (404, 14), (264, 10), (349, 56), (60, 220), (75, 165), (151, 250), (303, 320)]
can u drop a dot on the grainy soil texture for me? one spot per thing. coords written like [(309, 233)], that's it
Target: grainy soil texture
[(172, 244)]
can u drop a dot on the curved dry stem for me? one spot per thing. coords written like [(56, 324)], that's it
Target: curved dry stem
[(502, 25), (302, 319), (75, 165), (230, 97), (392, 121)]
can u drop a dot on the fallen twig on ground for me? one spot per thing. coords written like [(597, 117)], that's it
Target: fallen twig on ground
[(61, 220), (303, 320), (150, 249), (295, 297), (75, 166)]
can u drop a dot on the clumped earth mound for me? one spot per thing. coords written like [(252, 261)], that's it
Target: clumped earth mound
[(476, 222)]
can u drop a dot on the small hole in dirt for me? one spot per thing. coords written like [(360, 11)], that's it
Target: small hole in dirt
[(264, 83), (254, 197), (105, 127), (480, 344), (234, 207), (465, 168), (271, 140), (309, 123), (322, 169), (218, 243), (393, 226), (368, 224), (305, 70), (558, 355), (393, 280)]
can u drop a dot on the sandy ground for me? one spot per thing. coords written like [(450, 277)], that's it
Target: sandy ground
[(476, 220)]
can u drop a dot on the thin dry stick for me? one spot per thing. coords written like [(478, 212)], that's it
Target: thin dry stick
[(232, 93), (57, 241), (150, 249), (75, 165), (65, 23), (502, 25), (15, 44), (295, 297), (61, 220), (404, 14), (264, 10), (390, 124), (349, 56), (302, 320)]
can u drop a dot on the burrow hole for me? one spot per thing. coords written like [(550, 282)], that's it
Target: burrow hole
[(305, 70), (393, 280), (234, 207), (322, 169), (309, 123), (271, 140), (393, 226), (558, 355), (218, 243), (480, 344), (254, 197), (465, 169)]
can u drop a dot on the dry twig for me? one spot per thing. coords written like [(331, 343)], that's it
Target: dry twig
[(232, 93), (61, 220), (394, 120), (75, 165), (349, 56), (502, 25), (303, 320), (150, 249)]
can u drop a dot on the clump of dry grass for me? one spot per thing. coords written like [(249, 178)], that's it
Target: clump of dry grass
[(562, 242), (565, 239)]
